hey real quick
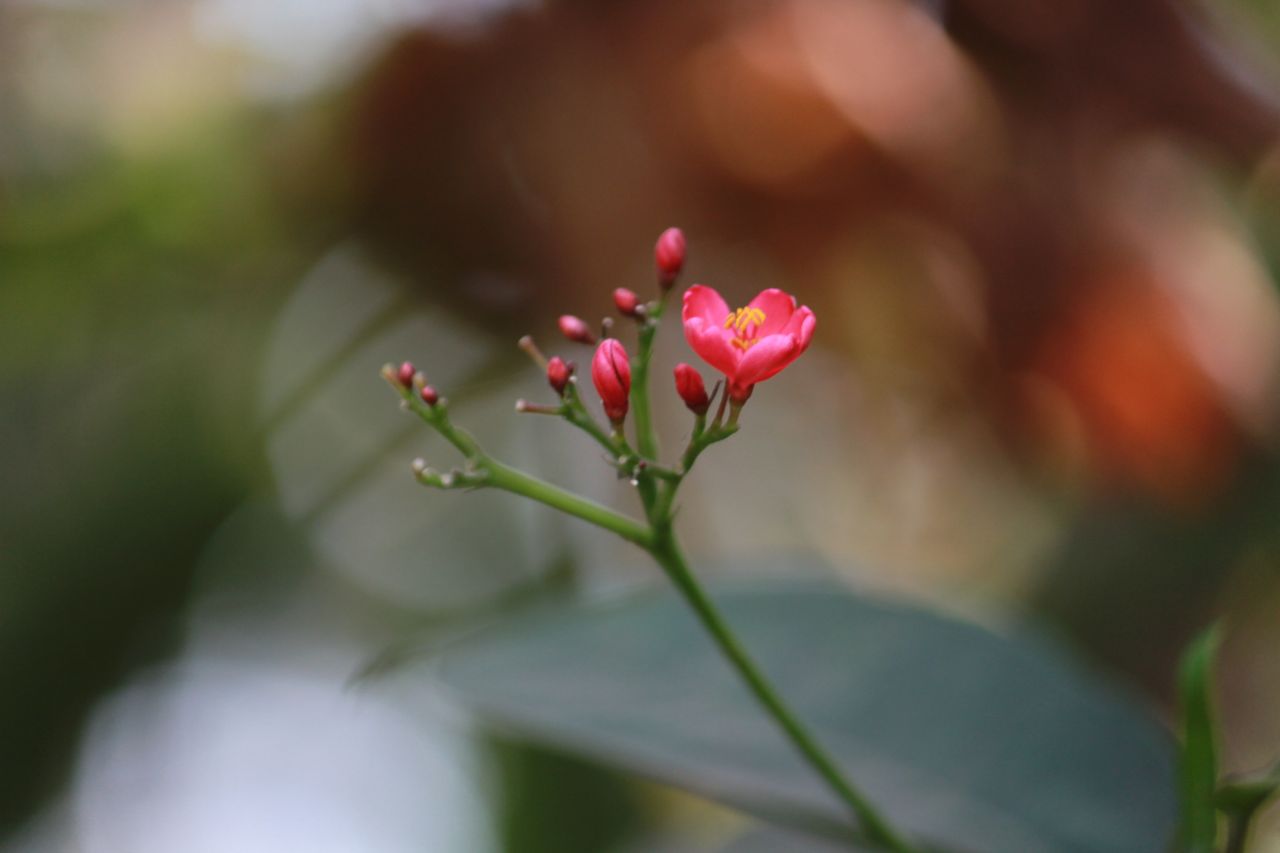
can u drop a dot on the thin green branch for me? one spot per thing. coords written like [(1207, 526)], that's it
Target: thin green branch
[(502, 476), (667, 552), (646, 436), (657, 487), (575, 412), (485, 471)]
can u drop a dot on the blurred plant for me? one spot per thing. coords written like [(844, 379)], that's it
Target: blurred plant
[(748, 345), (1204, 796)]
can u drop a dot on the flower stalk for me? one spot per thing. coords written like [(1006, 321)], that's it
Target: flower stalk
[(748, 346)]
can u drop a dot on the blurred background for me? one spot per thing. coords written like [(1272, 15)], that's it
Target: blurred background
[(1042, 239)]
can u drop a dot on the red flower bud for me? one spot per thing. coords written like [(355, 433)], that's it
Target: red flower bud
[(558, 374), (611, 373), (691, 389), (669, 255), (576, 330), (626, 300), (405, 374), (429, 395)]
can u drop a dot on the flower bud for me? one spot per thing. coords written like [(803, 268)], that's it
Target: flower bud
[(575, 329), (626, 301), (405, 374), (558, 374), (611, 373), (691, 389), (669, 255), (429, 395)]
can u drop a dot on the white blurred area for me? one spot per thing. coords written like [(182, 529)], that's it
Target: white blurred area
[(167, 69), (257, 740), (301, 44)]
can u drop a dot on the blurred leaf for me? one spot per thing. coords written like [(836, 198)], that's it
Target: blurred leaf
[(555, 803), (1198, 767), (1248, 796), (961, 736), (1240, 801), (775, 840)]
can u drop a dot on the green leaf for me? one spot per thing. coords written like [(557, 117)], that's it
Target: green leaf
[(1198, 762), (967, 740), (1246, 797), (776, 840), (1240, 800)]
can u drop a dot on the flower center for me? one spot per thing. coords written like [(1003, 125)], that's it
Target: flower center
[(746, 323)]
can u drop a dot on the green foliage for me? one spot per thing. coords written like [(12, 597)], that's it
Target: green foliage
[(585, 810), (1198, 766), (965, 739), (1240, 801)]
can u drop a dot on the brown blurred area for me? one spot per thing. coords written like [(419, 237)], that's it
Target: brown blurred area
[(1042, 218), (1060, 174), (1048, 193), (1042, 238)]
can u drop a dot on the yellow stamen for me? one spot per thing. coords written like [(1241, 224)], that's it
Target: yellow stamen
[(744, 317), (746, 322)]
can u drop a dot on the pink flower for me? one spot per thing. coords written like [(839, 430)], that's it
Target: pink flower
[(751, 344), (611, 373)]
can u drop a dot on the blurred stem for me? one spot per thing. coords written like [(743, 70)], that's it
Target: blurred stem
[(1198, 758), (646, 437), (1238, 833), (666, 550), (1241, 801)]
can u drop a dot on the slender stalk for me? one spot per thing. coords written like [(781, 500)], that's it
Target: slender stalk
[(646, 437), (666, 551), (1238, 833), (502, 476), (576, 413)]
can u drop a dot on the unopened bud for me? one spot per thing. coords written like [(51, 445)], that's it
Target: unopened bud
[(669, 253), (558, 374), (691, 389), (611, 373), (429, 395), (626, 300), (575, 329), (405, 374)]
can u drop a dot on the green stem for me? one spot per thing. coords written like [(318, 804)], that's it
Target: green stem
[(666, 551), (502, 476), (576, 413), (1238, 833), (646, 437)]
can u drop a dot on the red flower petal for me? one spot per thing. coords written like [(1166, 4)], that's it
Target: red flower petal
[(702, 301), (801, 325), (766, 358), (712, 343), (778, 308)]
